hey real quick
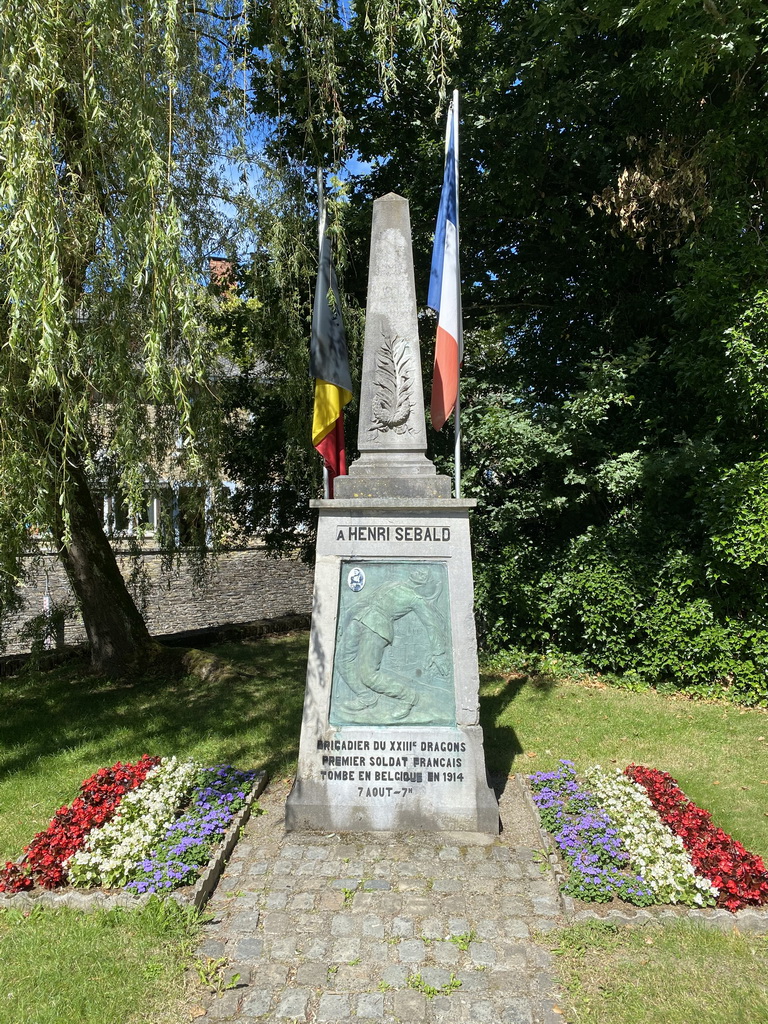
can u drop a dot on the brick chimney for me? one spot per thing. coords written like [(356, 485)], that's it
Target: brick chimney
[(222, 278)]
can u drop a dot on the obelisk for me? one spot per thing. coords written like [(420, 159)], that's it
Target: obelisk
[(390, 736)]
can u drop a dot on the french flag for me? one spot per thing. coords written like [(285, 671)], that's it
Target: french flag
[(445, 281)]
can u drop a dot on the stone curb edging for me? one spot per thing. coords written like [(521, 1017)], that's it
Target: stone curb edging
[(196, 897), (753, 920)]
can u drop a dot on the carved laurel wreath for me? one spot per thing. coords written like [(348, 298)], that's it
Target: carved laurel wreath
[(393, 384)]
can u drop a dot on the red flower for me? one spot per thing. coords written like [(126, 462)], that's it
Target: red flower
[(98, 800), (740, 876)]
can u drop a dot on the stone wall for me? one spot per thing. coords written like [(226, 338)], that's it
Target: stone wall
[(239, 586)]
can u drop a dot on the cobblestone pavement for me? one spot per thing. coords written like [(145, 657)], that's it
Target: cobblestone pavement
[(378, 928)]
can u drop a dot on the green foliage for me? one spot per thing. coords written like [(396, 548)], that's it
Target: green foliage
[(615, 422)]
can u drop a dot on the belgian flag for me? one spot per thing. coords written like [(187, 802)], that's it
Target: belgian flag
[(329, 364)]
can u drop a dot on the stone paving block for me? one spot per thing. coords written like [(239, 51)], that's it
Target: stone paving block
[(472, 981), (516, 928), (257, 1002), (482, 1011), (394, 975), (306, 922), (370, 1005), (482, 886), (489, 928), (445, 953), (330, 901), (448, 885), (345, 883), (248, 949), (373, 926), (411, 951), (410, 1006), (450, 853), (344, 924), (459, 926), (347, 849), (293, 1004), (332, 1006), (213, 948), (315, 947), (516, 1011), (355, 977), (314, 974), (482, 953), (242, 970), (249, 899), (225, 1006), (259, 867), (508, 981), (413, 884), (435, 976), (302, 901), (384, 903), (433, 928), (402, 927), (276, 901), (274, 922), (282, 883), (270, 976), (547, 906), (244, 923), (539, 959), (376, 885), (345, 949), (282, 947)]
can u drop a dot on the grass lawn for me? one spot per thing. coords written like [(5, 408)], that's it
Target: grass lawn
[(59, 727), (111, 967), (677, 974)]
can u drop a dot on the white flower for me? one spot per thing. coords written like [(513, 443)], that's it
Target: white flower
[(111, 851), (655, 852)]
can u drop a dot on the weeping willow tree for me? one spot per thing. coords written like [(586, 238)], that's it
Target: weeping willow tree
[(119, 124)]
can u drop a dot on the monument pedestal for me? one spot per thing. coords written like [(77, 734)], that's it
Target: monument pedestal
[(390, 738), (393, 745)]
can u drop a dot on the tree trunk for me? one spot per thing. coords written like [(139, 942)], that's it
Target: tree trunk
[(117, 633)]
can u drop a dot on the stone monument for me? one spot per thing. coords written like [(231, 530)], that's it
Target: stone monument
[(390, 738)]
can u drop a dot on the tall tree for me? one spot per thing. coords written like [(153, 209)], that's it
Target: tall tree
[(614, 203), (118, 120)]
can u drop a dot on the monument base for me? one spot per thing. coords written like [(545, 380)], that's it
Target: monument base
[(390, 736), (396, 780)]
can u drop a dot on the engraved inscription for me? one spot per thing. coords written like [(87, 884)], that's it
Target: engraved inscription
[(373, 533), (387, 767)]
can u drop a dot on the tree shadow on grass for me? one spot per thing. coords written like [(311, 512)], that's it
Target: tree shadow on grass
[(502, 744), (250, 716)]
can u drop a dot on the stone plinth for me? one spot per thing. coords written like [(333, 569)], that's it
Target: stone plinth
[(409, 760)]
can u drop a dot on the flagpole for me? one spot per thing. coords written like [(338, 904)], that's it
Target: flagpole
[(460, 340), (320, 237)]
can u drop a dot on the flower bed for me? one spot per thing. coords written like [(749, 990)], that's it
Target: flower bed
[(635, 836), (130, 826), (739, 876)]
